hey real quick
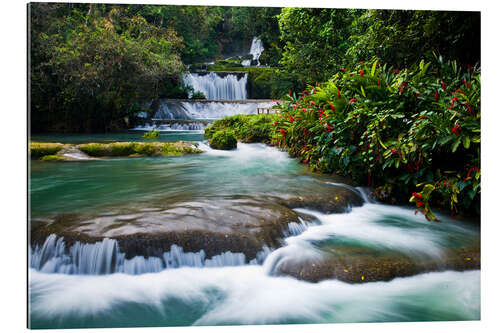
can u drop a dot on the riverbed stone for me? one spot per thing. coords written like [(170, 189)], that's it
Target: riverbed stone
[(215, 226), (358, 265)]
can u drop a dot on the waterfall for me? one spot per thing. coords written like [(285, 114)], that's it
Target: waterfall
[(105, 257), (218, 87), (256, 50)]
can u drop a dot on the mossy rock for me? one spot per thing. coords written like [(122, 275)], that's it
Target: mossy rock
[(52, 158), (40, 149), (223, 140)]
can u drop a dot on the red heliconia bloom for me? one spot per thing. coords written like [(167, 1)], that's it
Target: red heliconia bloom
[(362, 63), (378, 83), (283, 131), (304, 110), (290, 93), (352, 100), (444, 182), (436, 96), (275, 123), (393, 151), (328, 128), (455, 129), (470, 67), (467, 84), (469, 108), (361, 72), (395, 70), (453, 100), (312, 103), (420, 204), (338, 94), (343, 70), (443, 85)]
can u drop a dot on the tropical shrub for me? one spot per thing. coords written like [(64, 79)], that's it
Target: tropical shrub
[(224, 140), (247, 128), (397, 131), (153, 134)]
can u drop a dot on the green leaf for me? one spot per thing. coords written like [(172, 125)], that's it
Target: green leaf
[(455, 145), (466, 142)]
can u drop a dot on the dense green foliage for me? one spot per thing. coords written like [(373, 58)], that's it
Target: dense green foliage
[(394, 130), (91, 66), (318, 42), (223, 140), (246, 128), (153, 134)]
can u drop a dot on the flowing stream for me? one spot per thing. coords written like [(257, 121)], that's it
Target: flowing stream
[(94, 285), (84, 284)]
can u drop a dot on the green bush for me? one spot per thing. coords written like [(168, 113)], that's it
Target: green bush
[(224, 140), (398, 131), (153, 134), (247, 128)]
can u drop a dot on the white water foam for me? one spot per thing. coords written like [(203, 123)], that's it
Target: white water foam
[(245, 295), (173, 110)]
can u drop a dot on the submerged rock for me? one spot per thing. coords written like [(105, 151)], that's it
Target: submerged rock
[(215, 226), (358, 265)]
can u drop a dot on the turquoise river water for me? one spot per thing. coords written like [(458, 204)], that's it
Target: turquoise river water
[(245, 293)]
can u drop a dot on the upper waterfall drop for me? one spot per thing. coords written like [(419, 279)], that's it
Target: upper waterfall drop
[(215, 86), (256, 50)]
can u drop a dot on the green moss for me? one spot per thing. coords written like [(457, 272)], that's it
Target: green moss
[(224, 140), (52, 158), (40, 149), (95, 149), (122, 148), (148, 149)]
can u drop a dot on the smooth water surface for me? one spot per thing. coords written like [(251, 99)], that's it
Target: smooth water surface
[(121, 136)]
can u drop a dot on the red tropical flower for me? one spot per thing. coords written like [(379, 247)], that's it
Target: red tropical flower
[(338, 94), (361, 72), (443, 85), (436, 96), (378, 83)]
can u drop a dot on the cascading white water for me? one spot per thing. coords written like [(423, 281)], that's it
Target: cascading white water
[(106, 258), (256, 50), (192, 110), (218, 87), (171, 127)]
